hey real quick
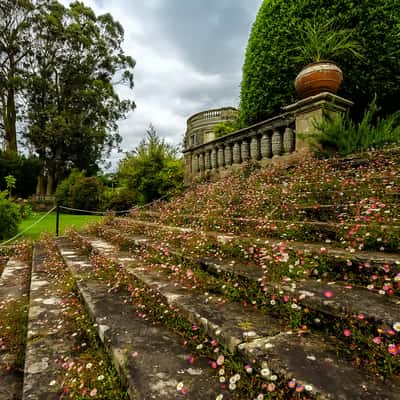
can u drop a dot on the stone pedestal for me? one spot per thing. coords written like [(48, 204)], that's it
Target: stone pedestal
[(310, 111)]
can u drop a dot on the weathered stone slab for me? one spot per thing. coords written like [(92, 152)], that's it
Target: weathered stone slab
[(151, 359), (13, 286), (311, 362), (46, 343), (344, 300), (308, 359)]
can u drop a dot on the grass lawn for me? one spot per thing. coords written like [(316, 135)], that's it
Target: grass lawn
[(49, 223)]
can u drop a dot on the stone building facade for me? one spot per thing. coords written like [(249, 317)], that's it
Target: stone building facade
[(200, 126)]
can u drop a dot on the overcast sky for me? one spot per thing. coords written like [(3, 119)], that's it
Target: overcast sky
[(189, 56)]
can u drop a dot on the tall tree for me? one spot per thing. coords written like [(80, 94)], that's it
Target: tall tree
[(73, 105), (15, 23)]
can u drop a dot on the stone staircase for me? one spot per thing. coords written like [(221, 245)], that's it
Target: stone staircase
[(194, 306)]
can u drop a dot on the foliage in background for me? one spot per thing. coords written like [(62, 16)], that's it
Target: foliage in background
[(15, 43), (59, 68), (24, 169), (119, 199), (341, 135), (269, 73), (153, 170), (9, 217), (80, 192), (324, 42), (224, 128)]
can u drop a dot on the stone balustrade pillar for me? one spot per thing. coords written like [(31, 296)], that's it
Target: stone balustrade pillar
[(208, 160), (255, 148), (202, 160), (245, 150), (214, 164), (277, 144), (289, 140), (237, 159), (221, 157), (228, 155), (266, 146)]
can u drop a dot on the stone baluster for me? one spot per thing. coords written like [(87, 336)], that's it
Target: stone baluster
[(196, 163), (255, 148), (214, 164), (289, 140), (266, 145), (194, 168), (228, 155), (237, 158), (221, 157), (208, 160), (245, 150), (202, 159), (277, 144)]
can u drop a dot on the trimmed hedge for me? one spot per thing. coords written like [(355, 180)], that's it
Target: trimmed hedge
[(269, 73)]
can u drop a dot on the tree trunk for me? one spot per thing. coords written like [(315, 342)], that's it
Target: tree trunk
[(10, 125), (50, 181)]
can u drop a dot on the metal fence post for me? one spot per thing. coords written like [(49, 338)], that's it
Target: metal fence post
[(57, 220)]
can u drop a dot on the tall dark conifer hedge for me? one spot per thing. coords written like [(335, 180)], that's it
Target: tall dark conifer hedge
[(268, 72)]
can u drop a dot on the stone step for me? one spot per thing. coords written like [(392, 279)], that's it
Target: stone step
[(334, 299), (374, 258), (46, 342), (378, 263), (151, 359), (14, 287), (261, 340), (344, 301)]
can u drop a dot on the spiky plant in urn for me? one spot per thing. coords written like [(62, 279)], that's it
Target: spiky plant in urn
[(320, 44)]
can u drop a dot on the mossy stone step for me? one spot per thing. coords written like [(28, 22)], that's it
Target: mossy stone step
[(46, 342), (283, 352), (335, 299), (14, 286), (151, 359), (374, 258)]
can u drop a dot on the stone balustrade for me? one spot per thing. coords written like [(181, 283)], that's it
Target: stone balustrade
[(260, 142), (264, 140)]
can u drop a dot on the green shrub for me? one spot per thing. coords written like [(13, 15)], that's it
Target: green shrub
[(9, 217), (152, 170), (80, 192), (269, 73), (119, 199), (225, 128), (343, 136)]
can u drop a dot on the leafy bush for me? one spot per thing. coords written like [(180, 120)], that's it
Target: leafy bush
[(224, 128), (9, 217), (119, 199), (24, 169), (79, 191), (269, 73), (153, 170), (342, 135)]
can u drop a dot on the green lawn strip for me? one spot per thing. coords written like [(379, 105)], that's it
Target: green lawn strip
[(48, 224)]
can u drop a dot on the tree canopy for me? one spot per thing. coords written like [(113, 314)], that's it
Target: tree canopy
[(66, 63), (152, 170), (269, 70)]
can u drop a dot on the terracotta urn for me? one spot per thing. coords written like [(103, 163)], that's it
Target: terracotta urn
[(318, 77)]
